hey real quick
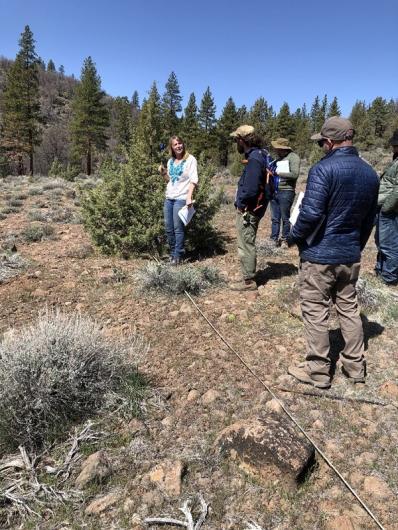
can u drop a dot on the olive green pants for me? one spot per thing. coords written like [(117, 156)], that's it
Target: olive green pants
[(319, 285), (246, 226)]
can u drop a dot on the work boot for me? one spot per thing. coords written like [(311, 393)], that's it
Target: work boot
[(302, 374), (353, 380), (245, 285)]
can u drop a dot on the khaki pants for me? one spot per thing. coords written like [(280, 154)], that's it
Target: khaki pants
[(246, 226), (318, 285)]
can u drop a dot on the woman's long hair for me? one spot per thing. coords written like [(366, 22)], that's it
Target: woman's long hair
[(179, 139)]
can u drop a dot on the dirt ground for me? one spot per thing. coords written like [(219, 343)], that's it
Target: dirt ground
[(201, 387)]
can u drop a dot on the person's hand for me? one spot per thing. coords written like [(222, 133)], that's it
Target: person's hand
[(189, 203)]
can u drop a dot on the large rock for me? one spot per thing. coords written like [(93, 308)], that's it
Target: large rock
[(168, 475), (269, 448), (101, 504), (96, 468)]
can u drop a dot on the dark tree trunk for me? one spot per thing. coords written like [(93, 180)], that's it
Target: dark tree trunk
[(30, 154), (89, 160)]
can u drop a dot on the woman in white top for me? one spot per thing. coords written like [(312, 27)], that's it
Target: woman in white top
[(182, 178)]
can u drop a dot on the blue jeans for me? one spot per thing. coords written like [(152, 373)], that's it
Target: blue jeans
[(175, 229), (280, 210), (386, 238)]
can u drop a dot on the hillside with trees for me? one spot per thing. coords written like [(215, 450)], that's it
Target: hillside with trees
[(49, 117)]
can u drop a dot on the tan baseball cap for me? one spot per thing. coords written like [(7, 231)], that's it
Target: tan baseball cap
[(334, 128), (243, 131), (281, 143)]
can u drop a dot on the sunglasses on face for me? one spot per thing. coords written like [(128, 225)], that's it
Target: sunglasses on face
[(321, 142)]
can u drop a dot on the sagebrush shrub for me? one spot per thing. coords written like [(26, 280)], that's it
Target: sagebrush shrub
[(11, 264), (176, 280), (55, 372), (267, 248), (37, 232), (369, 297)]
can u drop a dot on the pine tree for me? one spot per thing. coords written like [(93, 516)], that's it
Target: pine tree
[(301, 141), (262, 119), (61, 70), (378, 114), (316, 116), (284, 122), (124, 214), (123, 122), (21, 105), (227, 123), (51, 66), (364, 135), (207, 112), (135, 107), (90, 117), (190, 126), (334, 109), (149, 124), (207, 138), (171, 105), (243, 115)]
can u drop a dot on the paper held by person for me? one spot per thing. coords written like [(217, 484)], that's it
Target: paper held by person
[(295, 213), (186, 214), (283, 166)]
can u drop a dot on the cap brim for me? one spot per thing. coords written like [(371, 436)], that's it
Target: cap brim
[(316, 137), (234, 134)]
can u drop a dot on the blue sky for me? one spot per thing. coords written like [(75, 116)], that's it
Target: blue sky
[(285, 51)]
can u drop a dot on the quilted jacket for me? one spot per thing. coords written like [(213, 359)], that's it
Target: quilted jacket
[(339, 206)]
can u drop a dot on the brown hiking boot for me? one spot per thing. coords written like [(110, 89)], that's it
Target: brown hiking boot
[(300, 373), (246, 285)]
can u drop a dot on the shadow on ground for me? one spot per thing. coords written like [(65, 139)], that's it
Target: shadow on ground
[(275, 271)]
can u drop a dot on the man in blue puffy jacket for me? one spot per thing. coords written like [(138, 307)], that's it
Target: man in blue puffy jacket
[(333, 226)]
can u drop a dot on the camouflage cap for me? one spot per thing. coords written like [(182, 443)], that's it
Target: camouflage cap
[(243, 131), (281, 143), (334, 128)]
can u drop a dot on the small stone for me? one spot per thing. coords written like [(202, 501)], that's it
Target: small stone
[(186, 308), (273, 406), (174, 314), (377, 488), (365, 459), (193, 395), (96, 468), (318, 424), (134, 426), (168, 421), (389, 389), (39, 293), (101, 504), (210, 396), (243, 314), (128, 505), (168, 475), (341, 522)]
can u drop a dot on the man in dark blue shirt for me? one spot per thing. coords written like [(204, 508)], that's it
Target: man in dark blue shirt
[(251, 202)]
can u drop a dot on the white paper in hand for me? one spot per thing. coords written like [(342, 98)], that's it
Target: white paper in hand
[(186, 214)]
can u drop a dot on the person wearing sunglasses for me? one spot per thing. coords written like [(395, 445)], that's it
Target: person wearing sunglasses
[(335, 221)]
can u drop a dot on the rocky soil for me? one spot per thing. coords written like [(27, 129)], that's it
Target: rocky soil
[(148, 467)]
